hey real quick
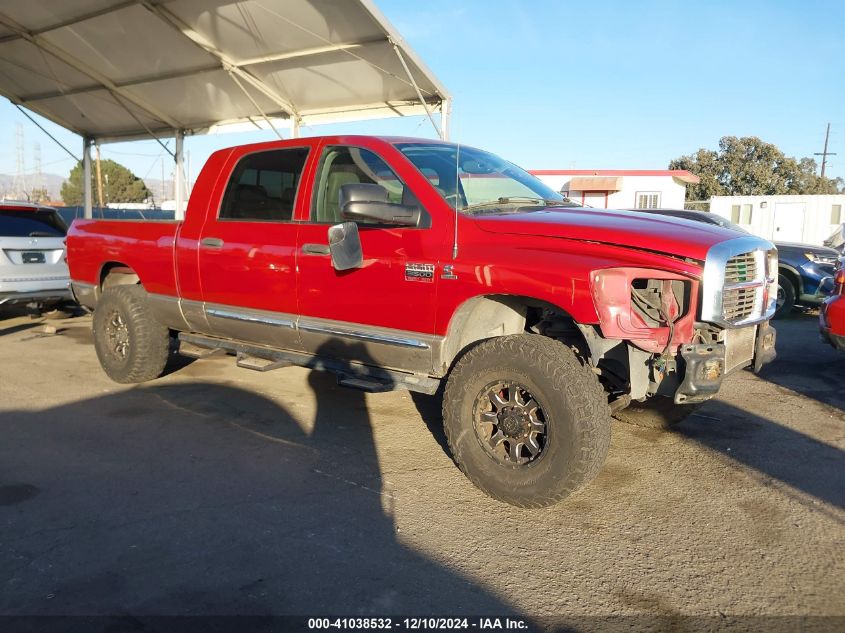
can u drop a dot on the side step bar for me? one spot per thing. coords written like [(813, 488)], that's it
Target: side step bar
[(195, 351), (353, 375), (256, 363)]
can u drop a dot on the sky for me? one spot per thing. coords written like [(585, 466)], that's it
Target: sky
[(583, 85)]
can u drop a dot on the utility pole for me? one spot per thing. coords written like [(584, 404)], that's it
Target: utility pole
[(19, 188), (99, 178), (39, 188), (824, 154)]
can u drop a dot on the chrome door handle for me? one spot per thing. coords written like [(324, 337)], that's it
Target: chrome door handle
[(211, 242), (316, 249)]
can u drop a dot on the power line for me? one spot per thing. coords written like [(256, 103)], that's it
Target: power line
[(38, 125)]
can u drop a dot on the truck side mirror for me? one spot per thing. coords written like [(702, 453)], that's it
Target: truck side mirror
[(345, 246), (369, 203)]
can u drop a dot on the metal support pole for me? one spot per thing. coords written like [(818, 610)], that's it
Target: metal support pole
[(294, 128), (179, 186), (99, 178), (86, 177), (445, 118), (417, 88)]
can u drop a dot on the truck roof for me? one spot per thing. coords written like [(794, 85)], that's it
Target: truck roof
[(343, 139)]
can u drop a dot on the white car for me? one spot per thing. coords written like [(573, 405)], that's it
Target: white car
[(33, 270)]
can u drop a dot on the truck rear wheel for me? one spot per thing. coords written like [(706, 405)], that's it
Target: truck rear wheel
[(658, 412), (526, 422), (131, 345)]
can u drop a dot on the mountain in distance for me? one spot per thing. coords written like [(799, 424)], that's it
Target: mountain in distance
[(53, 183)]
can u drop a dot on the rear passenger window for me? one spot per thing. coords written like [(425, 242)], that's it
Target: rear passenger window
[(263, 186)]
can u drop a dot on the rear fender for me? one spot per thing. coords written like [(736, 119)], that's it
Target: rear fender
[(116, 274)]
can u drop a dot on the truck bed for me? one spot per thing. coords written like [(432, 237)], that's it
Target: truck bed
[(146, 246)]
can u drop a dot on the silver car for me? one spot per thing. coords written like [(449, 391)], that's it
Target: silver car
[(33, 270)]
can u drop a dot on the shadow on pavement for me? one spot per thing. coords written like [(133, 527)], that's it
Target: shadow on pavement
[(20, 327), (804, 364), (203, 499), (773, 450), (810, 368), (430, 409)]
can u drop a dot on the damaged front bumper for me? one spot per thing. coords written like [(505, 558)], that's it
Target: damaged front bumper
[(701, 368)]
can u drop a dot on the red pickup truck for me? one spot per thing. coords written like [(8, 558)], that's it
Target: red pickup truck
[(408, 263)]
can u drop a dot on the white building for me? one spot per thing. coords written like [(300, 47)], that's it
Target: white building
[(621, 188), (805, 219)]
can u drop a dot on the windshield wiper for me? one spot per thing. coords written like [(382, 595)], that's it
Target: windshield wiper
[(516, 200), (42, 234)]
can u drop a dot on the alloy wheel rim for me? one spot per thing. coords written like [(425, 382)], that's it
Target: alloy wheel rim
[(510, 424), (117, 334)]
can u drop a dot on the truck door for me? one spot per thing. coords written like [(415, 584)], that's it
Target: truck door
[(383, 312), (247, 262)]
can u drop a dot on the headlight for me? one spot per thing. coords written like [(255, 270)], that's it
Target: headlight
[(821, 259)]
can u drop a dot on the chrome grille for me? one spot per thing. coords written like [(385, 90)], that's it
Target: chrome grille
[(738, 303), (742, 297), (739, 282), (741, 268)]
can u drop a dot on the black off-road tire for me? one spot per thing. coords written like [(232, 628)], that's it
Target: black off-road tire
[(788, 304), (658, 412), (574, 405), (147, 342)]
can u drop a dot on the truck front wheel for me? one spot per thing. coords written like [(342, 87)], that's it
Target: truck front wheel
[(131, 345), (526, 422)]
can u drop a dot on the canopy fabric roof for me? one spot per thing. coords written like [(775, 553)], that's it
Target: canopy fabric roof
[(122, 69)]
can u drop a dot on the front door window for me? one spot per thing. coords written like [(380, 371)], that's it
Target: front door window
[(351, 165)]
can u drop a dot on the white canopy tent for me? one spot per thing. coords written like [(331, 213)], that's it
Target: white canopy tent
[(117, 70)]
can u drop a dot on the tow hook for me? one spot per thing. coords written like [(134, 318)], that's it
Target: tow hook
[(704, 369)]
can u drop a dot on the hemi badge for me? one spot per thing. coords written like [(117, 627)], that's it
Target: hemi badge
[(419, 272)]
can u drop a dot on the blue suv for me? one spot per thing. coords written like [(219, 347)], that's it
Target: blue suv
[(805, 271)]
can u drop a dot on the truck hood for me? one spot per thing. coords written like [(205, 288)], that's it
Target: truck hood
[(662, 234)]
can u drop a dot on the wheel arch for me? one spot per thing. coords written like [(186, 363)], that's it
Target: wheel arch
[(794, 277), (114, 273), (489, 316)]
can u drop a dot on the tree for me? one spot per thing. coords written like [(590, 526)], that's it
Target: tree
[(123, 185), (749, 166), (39, 194)]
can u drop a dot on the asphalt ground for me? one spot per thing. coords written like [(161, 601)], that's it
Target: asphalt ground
[(222, 491)]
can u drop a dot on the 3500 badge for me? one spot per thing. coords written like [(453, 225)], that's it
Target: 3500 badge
[(419, 272)]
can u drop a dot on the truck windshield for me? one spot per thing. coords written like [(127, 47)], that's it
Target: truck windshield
[(475, 181)]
